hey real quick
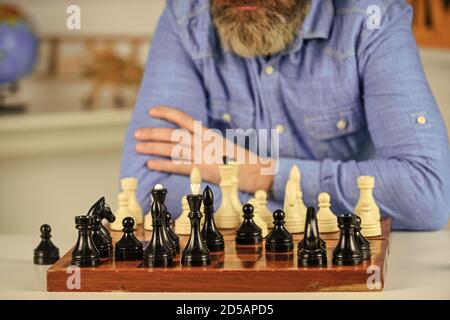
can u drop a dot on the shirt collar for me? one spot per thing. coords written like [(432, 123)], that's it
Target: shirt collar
[(317, 24)]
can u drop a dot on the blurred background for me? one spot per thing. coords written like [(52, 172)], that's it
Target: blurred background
[(66, 97)]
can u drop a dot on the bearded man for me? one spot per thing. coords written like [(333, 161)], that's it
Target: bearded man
[(339, 84)]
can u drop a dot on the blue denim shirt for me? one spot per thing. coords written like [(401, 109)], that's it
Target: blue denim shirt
[(352, 101)]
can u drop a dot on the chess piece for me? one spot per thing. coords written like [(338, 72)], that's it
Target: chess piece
[(100, 242), (129, 186), (159, 195), (248, 233), (183, 224), (128, 247), (279, 239), (46, 252), (148, 222), (257, 218), (85, 254), (367, 209), (327, 219), (196, 253), (158, 253), (101, 209), (235, 201), (294, 219), (211, 235), (227, 217), (121, 213), (311, 249), (348, 251), (295, 177), (363, 242), (263, 211)]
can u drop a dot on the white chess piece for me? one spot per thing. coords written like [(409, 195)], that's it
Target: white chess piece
[(327, 219), (294, 218), (295, 176), (196, 180), (264, 212), (227, 217), (257, 218), (236, 202), (148, 222), (183, 224), (367, 209), (121, 213), (129, 186)]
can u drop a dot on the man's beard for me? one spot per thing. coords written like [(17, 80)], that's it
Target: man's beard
[(266, 31)]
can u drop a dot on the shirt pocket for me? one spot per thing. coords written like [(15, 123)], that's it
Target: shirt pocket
[(338, 133), (226, 115)]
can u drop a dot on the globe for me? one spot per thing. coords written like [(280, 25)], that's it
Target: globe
[(18, 45)]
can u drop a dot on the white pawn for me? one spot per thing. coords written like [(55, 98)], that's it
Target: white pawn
[(121, 213), (257, 218), (367, 209), (148, 222), (327, 219), (129, 186), (183, 224), (264, 212), (294, 217)]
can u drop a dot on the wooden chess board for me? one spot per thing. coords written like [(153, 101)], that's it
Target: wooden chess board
[(239, 269)]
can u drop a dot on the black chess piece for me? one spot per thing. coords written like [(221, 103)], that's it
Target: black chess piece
[(348, 251), (311, 251), (211, 235), (158, 254), (363, 242), (46, 252), (159, 195), (248, 233), (172, 235), (85, 254), (100, 242), (196, 253), (128, 247), (101, 209), (279, 239)]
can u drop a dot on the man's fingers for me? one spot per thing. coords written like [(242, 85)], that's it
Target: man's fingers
[(164, 150), (179, 118), (154, 134), (170, 167)]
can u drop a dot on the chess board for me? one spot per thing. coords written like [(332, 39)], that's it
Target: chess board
[(238, 269)]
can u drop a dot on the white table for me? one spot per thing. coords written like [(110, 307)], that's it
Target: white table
[(418, 268)]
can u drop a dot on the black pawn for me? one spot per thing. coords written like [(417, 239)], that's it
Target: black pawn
[(159, 195), (100, 242), (157, 254), (348, 251), (85, 254), (279, 239), (211, 235), (248, 233), (196, 253), (46, 252), (363, 242), (129, 247), (311, 250)]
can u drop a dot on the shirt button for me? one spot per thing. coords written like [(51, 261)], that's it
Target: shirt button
[(226, 117), (341, 124), (280, 128), (421, 120), (270, 70)]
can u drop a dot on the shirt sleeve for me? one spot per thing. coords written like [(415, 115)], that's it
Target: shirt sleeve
[(172, 79), (411, 166)]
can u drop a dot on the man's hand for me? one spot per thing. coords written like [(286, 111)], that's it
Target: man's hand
[(160, 142)]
